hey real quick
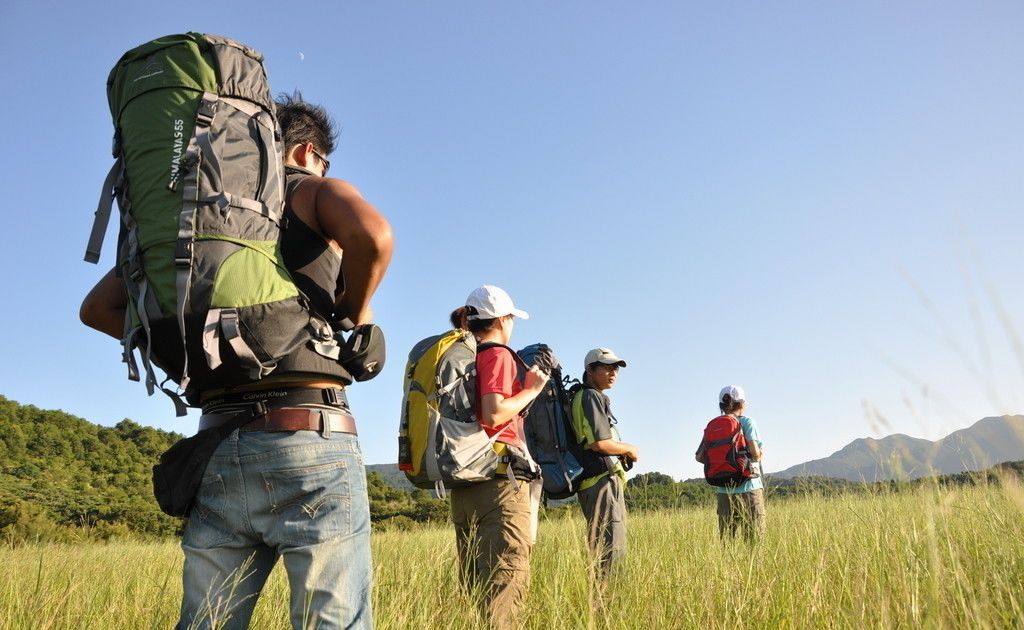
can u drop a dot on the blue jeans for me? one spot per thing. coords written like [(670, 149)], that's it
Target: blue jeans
[(298, 496)]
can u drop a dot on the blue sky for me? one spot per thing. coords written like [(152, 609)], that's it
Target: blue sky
[(821, 202)]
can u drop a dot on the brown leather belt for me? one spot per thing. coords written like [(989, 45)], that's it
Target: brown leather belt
[(289, 419)]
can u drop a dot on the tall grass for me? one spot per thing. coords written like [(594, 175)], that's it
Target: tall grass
[(935, 558)]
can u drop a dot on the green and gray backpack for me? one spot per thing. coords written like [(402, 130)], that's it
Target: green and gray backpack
[(199, 180)]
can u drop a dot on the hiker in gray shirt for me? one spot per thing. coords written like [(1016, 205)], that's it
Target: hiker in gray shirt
[(602, 487)]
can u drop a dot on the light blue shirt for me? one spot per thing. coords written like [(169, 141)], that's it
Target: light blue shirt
[(751, 434)]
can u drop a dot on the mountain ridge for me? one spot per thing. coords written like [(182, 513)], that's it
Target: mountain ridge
[(987, 442)]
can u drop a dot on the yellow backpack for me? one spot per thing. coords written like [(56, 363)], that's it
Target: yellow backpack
[(440, 443)]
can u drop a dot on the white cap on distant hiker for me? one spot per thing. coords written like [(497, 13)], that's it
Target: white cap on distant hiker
[(602, 355), (491, 301), (735, 393)]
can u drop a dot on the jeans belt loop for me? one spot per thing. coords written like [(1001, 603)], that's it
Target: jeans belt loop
[(325, 424)]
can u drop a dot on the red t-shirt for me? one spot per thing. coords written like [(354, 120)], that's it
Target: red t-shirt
[(497, 373)]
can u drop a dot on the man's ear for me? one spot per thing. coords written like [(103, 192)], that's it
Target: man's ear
[(299, 154)]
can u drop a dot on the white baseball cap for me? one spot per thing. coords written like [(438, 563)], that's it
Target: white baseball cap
[(602, 355), (491, 301), (735, 393)]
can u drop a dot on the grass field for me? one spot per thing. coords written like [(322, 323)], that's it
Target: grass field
[(930, 559)]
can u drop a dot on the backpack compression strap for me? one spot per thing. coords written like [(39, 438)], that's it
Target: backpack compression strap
[(222, 322), (111, 184)]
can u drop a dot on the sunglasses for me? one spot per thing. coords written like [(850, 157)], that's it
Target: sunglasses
[(327, 163)]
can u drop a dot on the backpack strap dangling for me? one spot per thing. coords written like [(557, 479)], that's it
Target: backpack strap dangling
[(111, 184)]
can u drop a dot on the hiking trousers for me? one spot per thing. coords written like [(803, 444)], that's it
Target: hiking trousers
[(604, 508), (741, 511), (492, 531)]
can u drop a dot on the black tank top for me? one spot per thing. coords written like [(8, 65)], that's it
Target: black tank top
[(314, 266)]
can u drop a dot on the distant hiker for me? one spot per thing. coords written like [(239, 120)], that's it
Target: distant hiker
[(492, 517), (296, 448), (731, 452), (602, 489)]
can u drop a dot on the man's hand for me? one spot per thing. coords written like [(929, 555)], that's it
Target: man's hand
[(536, 379)]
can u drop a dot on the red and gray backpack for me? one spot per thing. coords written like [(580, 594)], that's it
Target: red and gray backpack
[(724, 453)]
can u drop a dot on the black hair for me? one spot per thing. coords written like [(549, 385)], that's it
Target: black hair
[(303, 122), (458, 318), (728, 405), (477, 326), (586, 372)]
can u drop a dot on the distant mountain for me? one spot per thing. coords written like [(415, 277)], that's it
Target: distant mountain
[(988, 442), (391, 475)]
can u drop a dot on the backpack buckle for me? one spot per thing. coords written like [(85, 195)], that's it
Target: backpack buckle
[(183, 253), (207, 110)]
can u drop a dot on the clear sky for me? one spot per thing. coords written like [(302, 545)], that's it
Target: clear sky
[(819, 201)]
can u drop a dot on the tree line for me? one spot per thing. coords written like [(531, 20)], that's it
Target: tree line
[(64, 479)]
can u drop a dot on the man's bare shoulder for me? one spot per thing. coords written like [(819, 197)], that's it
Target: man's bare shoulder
[(316, 197), (315, 190)]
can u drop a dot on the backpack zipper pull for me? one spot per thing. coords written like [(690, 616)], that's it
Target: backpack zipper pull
[(186, 165)]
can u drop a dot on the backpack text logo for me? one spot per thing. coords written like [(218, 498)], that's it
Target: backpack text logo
[(152, 68), (179, 136)]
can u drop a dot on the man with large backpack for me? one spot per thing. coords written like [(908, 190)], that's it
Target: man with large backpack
[(731, 452), (602, 488), (288, 480)]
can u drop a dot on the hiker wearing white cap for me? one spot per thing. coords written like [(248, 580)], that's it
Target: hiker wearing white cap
[(741, 507), (601, 490), (492, 518)]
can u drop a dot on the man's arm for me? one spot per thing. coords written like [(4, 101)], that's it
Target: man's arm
[(615, 447), (753, 437), (755, 451), (105, 305), (363, 234), (496, 408)]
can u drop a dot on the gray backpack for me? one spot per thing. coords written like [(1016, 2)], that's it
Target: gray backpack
[(440, 444), (199, 180)]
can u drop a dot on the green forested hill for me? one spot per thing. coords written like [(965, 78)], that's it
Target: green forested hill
[(65, 478), (62, 476)]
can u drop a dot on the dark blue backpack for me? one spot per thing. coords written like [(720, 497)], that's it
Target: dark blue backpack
[(548, 427)]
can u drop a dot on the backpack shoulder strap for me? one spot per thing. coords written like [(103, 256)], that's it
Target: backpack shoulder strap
[(294, 175), (580, 426), (487, 345)]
